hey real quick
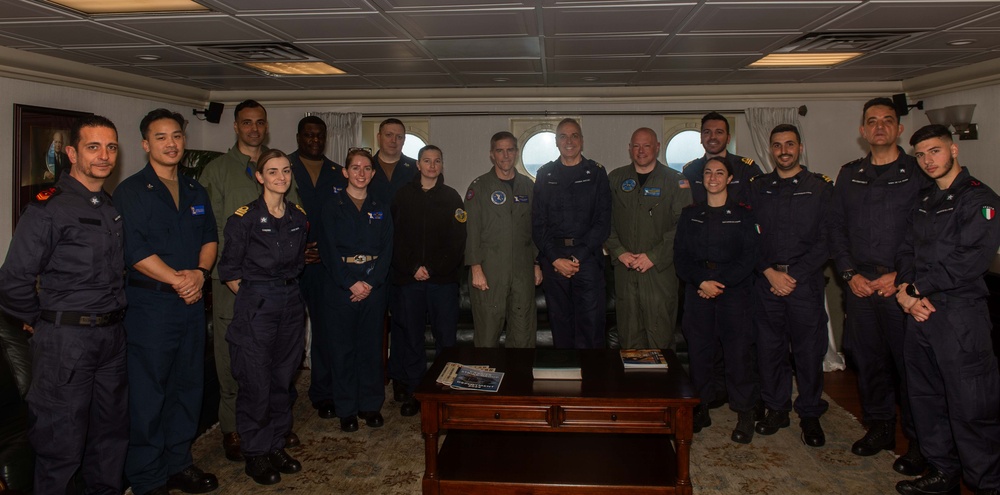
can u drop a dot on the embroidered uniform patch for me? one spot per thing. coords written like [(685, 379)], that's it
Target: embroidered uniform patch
[(470, 194), (498, 197), (628, 185), (460, 215), (989, 212), (683, 184)]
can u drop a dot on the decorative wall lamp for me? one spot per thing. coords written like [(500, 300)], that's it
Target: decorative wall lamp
[(959, 117)]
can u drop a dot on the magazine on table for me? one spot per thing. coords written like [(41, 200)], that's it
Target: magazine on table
[(447, 376), (469, 378)]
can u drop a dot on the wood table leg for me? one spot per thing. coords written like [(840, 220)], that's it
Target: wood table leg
[(684, 434), (429, 425)]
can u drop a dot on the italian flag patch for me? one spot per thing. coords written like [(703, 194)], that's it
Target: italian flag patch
[(757, 227), (989, 212)]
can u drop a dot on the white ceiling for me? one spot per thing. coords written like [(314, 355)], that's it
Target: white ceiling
[(410, 44)]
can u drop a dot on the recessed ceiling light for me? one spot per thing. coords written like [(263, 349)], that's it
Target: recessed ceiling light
[(500, 79), (589, 78), (148, 58), (961, 42), (130, 6), (805, 59), (296, 68)]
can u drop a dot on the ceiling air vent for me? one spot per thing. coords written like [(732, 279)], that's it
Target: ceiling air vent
[(843, 42), (260, 52)]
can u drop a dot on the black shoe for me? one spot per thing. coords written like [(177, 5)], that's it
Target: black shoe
[(881, 436), (934, 482), (701, 418), (282, 462), (743, 433), (260, 469), (292, 440), (324, 409), (912, 463), (193, 480), (812, 432), (349, 423), (410, 408), (231, 446), (399, 392), (772, 422), (372, 418)]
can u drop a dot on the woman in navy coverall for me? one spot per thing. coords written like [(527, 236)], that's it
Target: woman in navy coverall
[(355, 244), (263, 256)]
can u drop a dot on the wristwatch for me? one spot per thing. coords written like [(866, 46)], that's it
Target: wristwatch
[(847, 275), (206, 272), (911, 290)]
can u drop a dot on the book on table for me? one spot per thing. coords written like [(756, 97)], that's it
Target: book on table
[(469, 378), (643, 359), (556, 364)]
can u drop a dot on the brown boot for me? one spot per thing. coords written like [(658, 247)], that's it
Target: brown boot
[(231, 446)]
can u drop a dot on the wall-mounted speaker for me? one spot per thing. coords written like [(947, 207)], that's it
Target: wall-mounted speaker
[(213, 113)]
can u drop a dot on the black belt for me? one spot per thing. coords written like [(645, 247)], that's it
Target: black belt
[(881, 270), (780, 268), (566, 241), (152, 285), (269, 283), (83, 319), (711, 265)]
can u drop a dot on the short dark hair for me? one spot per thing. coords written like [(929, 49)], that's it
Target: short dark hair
[(723, 161), (569, 120), (310, 119), (500, 136), (880, 101), (391, 121), (247, 104), (89, 121), (159, 114), (931, 131), (429, 147), (715, 116), (786, 128), (267, 156)]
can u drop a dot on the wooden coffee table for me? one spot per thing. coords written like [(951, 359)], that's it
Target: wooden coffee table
[(610, 432)]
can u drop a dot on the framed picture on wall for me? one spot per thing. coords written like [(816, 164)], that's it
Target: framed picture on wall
[(40, 136)]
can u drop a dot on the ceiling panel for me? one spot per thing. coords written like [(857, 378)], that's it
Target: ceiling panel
[(469, 24), (397, 67), (484, 48), (496, 80), (375, 50), (860, 75), (416, 81), (903, 59), (786, 16), (681, 77), (14, 10), (331, 27), (700, 62), (434, 4), (602, 46), (346, 81), (251, 83), (769, 75), (71, 33), (582, 79), (613, 19), (981, 40), (907, 16), (718, 43), (597, 64), (494, 65), (207, 70), (194, 29), (258, 6)]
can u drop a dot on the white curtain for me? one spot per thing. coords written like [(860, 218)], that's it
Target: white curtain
[(343, 131), (761, 121)]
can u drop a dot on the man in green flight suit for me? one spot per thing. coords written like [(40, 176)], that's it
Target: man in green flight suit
[(647, 198), (230, 183), (499, 250)]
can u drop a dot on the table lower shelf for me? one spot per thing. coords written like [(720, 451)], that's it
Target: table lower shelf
[(543, 462)]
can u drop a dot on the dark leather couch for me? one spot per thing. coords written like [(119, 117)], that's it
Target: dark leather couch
[(17, 460), (544, 336)]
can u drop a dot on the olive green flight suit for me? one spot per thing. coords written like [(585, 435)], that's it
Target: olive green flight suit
[(644, 220), (498, 237)]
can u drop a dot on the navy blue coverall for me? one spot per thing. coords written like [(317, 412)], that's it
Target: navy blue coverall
[(571, 218), (70, 240), (166, 337), (356, 246), (720, 244), (266, 254), (793, 217), (330, 181), (867, 225), (383, 188), (738, 190), (951, 371), (429, 229)]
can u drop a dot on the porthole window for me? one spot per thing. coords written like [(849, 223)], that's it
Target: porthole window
[(538, 150), (412, 145), (682, 148)]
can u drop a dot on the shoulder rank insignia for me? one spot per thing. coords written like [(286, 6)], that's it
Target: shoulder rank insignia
[(47, 193), (748, 161), (824, 177), (853, 162), (598, 164), (300, 208), (242, 211), (461, 215)]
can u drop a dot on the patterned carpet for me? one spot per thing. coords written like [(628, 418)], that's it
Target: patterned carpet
[(389, 460)]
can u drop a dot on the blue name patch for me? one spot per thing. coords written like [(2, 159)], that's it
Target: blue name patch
[(523, 198), (651, 191), (197, 210), (375, 215)]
